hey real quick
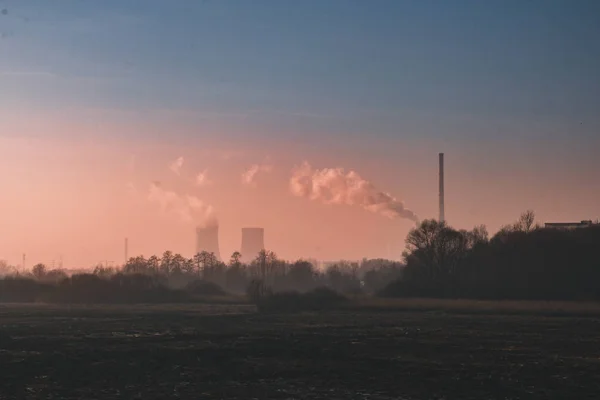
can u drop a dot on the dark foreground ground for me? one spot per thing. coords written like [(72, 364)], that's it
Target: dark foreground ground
[(189, 352)]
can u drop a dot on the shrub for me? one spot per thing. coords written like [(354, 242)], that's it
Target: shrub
[(21, 290), (257, 291)]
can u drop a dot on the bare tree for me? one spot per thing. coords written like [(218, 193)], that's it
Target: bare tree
[(166, 262), (6, 269), (266, 261), (188, 266), (153, 264), (526, 222), (435, 249), (479, 235), (234, 261), (177, 263)]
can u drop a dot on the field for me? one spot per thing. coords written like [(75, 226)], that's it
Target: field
[(230, 352)]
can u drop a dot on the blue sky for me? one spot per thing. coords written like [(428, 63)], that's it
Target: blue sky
[(509, 90), (352, 67)]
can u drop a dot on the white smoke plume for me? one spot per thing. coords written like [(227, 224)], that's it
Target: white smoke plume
[(189, 209), (202, 179), (176, 165), (249, 176), (336, 186)]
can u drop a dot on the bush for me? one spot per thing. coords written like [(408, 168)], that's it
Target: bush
[(22, 290), (119, 288), (257, 291), (204, 288)]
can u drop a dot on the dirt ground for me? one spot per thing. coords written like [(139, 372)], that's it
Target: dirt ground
[(212, 352)]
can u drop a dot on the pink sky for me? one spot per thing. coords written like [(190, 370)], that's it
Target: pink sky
[(65, 188)]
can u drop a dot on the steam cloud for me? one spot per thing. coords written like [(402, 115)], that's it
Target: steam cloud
[(335, 186), (202, 179), (189, 208), (249, 176), (177, 165)]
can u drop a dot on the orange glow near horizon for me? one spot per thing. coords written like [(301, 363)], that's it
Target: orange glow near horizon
[(67, 194)]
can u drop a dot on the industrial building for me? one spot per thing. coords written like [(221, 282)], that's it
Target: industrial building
[(570, 225), (207, 239)]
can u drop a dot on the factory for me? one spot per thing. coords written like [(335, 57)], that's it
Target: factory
[(207, 239), (570, 225), (253, 241)]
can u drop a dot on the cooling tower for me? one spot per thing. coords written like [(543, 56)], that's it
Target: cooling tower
[(253, 241), (441, 187), (207, 239)]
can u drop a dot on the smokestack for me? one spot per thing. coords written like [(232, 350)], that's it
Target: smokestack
[(253, 241), (207, 239), (126, 250), (441, 187)]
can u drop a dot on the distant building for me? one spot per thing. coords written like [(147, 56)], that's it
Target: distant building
[(569, 225), (207, 239)]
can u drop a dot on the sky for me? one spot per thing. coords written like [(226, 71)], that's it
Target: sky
[(99, 99)]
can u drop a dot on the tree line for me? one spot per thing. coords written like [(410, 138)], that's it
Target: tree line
[(203, 274), (521, 261)]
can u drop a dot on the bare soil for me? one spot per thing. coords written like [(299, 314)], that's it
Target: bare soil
[(230, 352)]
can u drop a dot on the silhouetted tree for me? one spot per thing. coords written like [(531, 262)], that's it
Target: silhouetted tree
[(521, 261), (266, 264), (166, 262), (301, 276), (526, 222), (208, 262), (39, 271), (235, 259), (177, 264), (6, 269), (55, 276), (188, 266), (105, 272), (136, 265), (236, 275), (153, 264), (434, 251), (342, 277)]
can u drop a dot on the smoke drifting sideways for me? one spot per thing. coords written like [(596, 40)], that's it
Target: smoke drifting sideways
[(249, 176), (202, 179), (188, 208), (176, 165), (338, 187)]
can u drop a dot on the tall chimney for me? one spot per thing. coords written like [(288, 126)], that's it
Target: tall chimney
[(253, 241), (442, 187), (126, 250), (207, 239)]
